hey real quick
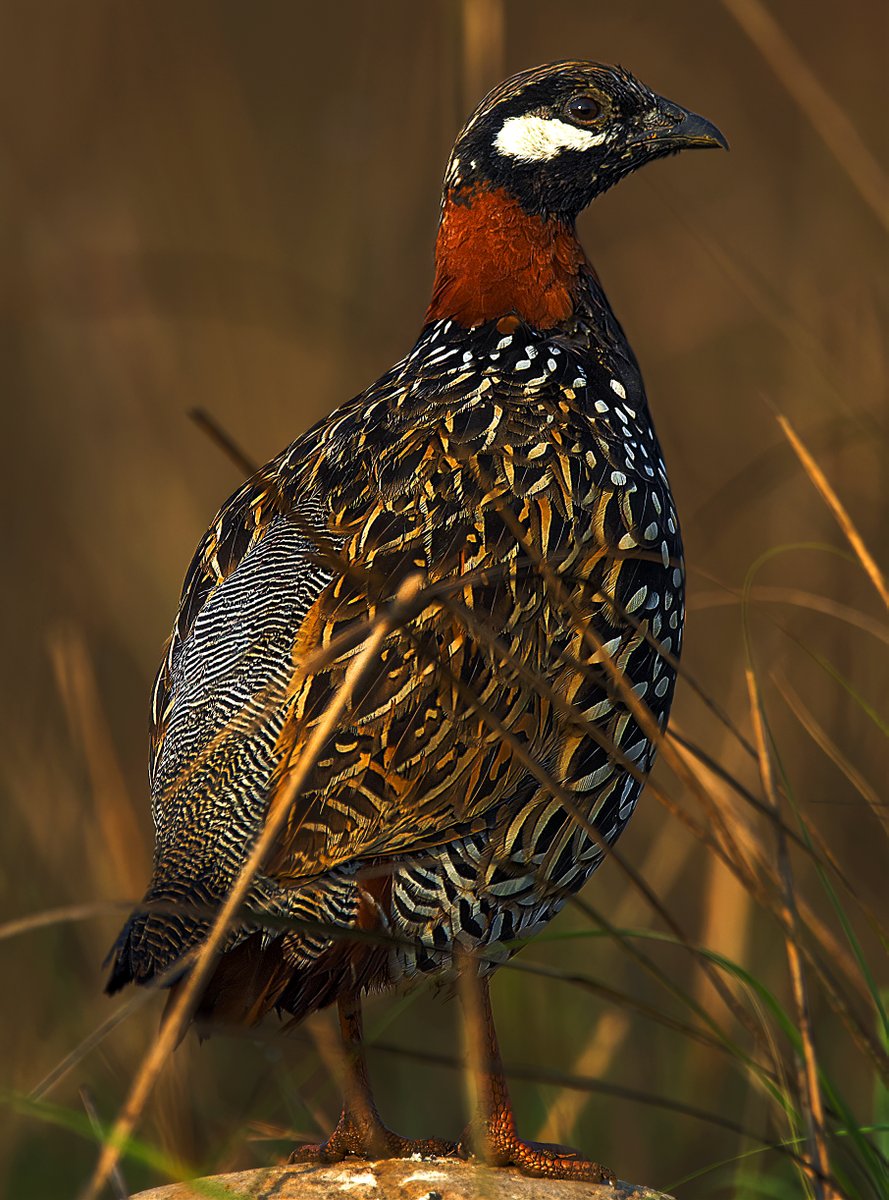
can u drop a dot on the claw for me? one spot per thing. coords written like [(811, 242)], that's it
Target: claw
[(371, 1140)]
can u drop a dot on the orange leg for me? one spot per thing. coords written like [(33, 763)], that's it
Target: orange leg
[(360, 1131), (492, 1135)]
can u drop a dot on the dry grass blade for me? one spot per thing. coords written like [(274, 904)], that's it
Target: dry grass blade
[(695, 753), (182, 1006), (117, 1181), (796, 598), (810, 1088), (123, 849), (475, 1064), (134, 316), (648, 725), (323, 547), (814, 846), (748, 859), (59, 916), (604, 1040), (226, 443), (567, 801), (731, 854), (484, 35), (622, 1000), (587, 1085), (825, 742), (819, 479), (815, 102), (89, 1043), (648, 964)]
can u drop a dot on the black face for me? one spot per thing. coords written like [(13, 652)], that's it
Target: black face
[(558, 135)]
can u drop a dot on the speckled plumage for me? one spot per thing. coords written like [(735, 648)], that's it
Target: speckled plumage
[(411, 474), (512, 444)]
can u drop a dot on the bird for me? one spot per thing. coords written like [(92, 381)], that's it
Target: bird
[(506, 473)]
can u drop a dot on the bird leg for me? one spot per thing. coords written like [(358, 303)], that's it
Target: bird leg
[(492, 1135), (360, 1131)]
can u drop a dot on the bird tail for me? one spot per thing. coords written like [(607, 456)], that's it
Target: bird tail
[(170, 921), (257, 974), (295, 971)]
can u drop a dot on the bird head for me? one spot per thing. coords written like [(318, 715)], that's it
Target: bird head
[(556, 136)]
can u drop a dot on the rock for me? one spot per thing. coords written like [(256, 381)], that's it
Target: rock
[(393, 1179)]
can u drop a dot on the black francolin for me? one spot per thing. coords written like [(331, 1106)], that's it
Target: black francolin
[(497, 747)]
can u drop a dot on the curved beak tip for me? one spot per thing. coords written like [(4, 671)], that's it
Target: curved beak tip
[(695, 131)]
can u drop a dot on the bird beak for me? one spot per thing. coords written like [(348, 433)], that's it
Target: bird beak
[(686, 132)]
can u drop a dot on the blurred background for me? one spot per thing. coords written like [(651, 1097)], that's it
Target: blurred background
[(227, 206)]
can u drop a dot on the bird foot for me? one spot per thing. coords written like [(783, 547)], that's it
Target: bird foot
[(369, 1138), (501, 1146)]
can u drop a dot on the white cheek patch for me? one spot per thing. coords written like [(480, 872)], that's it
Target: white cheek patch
[(537, 139)]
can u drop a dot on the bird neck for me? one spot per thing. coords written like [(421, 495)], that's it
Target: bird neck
[(493, 259)]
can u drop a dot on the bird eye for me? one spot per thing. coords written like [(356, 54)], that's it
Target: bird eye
[(583, 110)]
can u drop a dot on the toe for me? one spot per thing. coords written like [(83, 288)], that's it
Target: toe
[(541, 1163), (309, 1153), (331, 1151), (538, 1160)]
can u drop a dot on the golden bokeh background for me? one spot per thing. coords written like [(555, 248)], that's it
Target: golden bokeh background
[(230, 206)]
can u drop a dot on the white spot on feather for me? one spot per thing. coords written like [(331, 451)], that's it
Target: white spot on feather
[(538, 139)]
